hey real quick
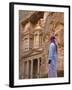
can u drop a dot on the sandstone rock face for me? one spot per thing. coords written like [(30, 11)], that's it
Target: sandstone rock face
[(55, 24), (35, 31)]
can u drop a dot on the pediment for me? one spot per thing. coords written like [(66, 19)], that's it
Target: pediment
[(33, 52)]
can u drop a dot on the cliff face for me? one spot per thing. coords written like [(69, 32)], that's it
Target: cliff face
[(55, 25)]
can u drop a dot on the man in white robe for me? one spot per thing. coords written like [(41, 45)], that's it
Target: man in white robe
[(52, 67)]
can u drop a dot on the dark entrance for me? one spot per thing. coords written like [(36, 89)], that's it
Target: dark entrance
[(35, 68), (29, 68)]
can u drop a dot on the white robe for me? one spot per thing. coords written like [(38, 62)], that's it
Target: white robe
[(52, 67)]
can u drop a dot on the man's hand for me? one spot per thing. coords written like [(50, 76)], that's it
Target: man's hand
[(49, 62)]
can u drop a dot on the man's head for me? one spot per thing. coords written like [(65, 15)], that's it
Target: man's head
[(52, 39)]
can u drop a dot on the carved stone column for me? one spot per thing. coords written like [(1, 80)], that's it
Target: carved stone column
[(31, 75), (27, 69), (38, 69)]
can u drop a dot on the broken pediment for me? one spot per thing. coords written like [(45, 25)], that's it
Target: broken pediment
[(27, 28)]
